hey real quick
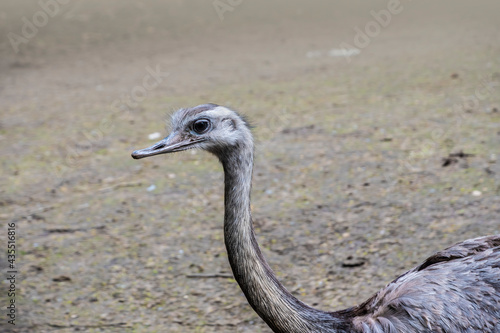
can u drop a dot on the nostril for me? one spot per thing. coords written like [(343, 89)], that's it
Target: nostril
[(160, 146)]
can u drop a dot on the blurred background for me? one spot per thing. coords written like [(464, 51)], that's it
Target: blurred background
[(377, 127)]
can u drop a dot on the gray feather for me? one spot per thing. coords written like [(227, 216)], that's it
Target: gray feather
[(456, 290)]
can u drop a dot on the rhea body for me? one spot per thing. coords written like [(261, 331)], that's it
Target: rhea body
[(455, 290)]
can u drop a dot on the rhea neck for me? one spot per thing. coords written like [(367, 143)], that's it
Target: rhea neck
[(267, 296)]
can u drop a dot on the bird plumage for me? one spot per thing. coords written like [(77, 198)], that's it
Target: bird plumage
[(455, 290)]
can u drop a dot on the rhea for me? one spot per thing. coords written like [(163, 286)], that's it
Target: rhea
[(454, 290)]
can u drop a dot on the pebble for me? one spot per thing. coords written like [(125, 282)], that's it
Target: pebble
[(154, 136), (333, 53)]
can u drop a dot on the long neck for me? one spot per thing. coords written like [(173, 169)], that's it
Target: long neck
[(267, 296)]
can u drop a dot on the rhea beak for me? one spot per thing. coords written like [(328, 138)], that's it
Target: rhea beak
[(172, 143)]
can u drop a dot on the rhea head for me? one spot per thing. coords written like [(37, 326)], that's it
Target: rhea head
[(210, 127)]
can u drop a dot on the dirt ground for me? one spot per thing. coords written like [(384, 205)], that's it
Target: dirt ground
[(377, 127)]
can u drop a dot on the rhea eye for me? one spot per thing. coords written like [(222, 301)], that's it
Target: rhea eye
[(201, 126)]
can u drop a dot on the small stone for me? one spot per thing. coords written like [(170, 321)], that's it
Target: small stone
[(154, 136)]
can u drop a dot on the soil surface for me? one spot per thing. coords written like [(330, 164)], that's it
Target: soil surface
[(377, 127)]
